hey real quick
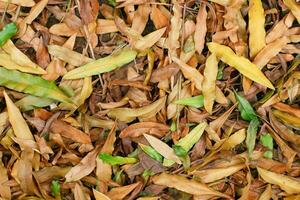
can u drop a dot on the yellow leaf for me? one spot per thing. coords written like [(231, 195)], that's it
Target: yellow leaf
[(257, 32), (288, 184), (242, 64), (294, 7), (35, 11), (162, 148), (20, 58), (209, 82), (16, 120), (287, 118), (8, 63), (185, 185), (235, 139)]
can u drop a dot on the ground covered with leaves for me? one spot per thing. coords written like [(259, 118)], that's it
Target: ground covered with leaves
[(149, 99)]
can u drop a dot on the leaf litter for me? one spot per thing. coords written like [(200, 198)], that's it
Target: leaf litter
[(149, 99)]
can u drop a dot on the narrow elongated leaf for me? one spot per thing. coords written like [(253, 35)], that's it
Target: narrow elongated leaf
[(100, 196), (196, 101), (116, 160), (8, 63), (287, 118), (149, 40), (245, 108), (209, 82), (251, 135), (7, 32), (151, 152), (31, 84), (20, 58), (193, 137), (129, 114), (288, 184), (55, 188), (257, 32), (162, 148), (185, 185), (31, 102), (242, 64), (67, 55), (102, 65), (267, 141), (294, 7), (19, 125)]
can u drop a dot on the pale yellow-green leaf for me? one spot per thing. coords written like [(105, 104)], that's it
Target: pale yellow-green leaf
[(102, 65), (20, 58), (162, 148), (149, 40)]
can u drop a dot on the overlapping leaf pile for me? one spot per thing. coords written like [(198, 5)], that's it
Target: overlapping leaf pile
[(149, 99)]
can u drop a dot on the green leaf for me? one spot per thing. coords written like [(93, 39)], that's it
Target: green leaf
[(7, 32), (55, 188), (111, 2), (251, 135), (179, 151), (116, 160), (267, 141), (102, 65), (192, 138), (31, 84), (31, 102), (173, 126), (196, 101), (151, 152), (268, 154), (247, 112)]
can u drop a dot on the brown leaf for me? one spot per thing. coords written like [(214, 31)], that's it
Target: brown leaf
[(84, 168), (140, 128), (67, 131)]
